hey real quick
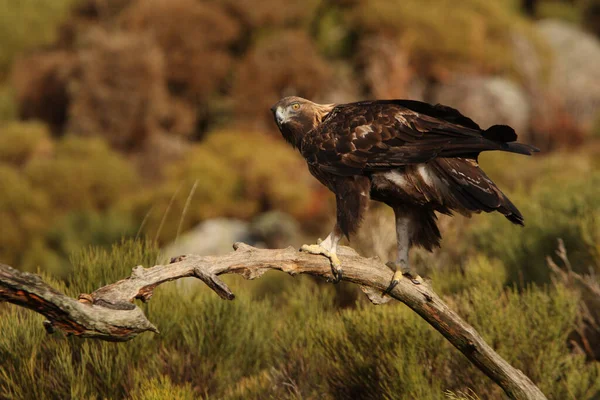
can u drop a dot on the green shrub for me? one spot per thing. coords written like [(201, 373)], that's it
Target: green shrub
[(473, 34), (83, 173), (566, 209), (24, 214), (8, 108), (25, 24), (389, 352), (237, 174), (21, 141), (58, 197), (296, 344), (159, 388), (566, 11)]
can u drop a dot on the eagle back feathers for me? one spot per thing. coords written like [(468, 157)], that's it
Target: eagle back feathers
[(379, 135)]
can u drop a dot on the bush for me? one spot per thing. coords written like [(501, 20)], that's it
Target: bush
[(404, 357), (59, 196), (195, 38), (82, 174), (294, 344), (8, 109), (232, 179), (472, 35), (121, 94), (22, 141), (566, 209), (41, 85), (270, 71), (24, 214), (26, 24)]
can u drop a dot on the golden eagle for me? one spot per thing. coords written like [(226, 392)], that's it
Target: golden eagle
[(415, 157)]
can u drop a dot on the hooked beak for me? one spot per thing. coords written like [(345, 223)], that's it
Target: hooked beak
[(279, 115)]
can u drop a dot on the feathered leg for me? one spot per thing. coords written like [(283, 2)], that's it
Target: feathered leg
[(352, 200), (404, 232), (328, 248)]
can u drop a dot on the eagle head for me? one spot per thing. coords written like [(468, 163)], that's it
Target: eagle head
[(296, 116)]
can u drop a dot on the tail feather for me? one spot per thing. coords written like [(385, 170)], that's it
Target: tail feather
[(470, 189), (506, 137), (520, 148)]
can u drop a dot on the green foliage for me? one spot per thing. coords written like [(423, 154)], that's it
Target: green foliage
[(566, 11), (473, 34), (58, 197), (21, 141), (24, 214), (554, 208), (37, 25), (97, 266), (230, 180), (159, 388), (83, 174), (294, 344), (7, 104), (596, 127)]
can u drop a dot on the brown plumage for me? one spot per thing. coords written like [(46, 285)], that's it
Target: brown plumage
[(417, 158)]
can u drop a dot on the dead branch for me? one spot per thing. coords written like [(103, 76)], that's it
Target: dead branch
[(109, 312)]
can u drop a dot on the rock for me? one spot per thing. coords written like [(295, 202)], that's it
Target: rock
[(273, 229), (211, 237), (486, 100), (575, 72)]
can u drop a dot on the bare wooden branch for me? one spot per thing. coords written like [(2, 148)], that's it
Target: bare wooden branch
[(109, 312)]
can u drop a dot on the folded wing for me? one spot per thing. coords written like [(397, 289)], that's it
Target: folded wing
[(374, 136)]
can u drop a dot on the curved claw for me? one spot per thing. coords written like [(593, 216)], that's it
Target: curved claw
[(338, 273), (336, 268), (396, 279), (391, 287), (413, 279)]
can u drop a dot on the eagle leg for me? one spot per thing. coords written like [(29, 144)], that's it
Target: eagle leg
[(401, 267), (328, 248)]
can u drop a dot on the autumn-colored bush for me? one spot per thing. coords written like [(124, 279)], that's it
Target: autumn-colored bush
[(121, 94), (281, 64), (269, 14), (194, 36), (40, 82)]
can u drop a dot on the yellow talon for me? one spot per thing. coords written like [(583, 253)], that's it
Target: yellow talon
[(399, 274), (336, 265), (335, 261)]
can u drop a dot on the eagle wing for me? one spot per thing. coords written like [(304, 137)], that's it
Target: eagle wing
[(379, 135)]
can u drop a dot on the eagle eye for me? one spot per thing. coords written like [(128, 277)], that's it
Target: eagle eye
[(296, 106)]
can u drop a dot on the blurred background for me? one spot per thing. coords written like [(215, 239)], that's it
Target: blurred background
[(135, 130)]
